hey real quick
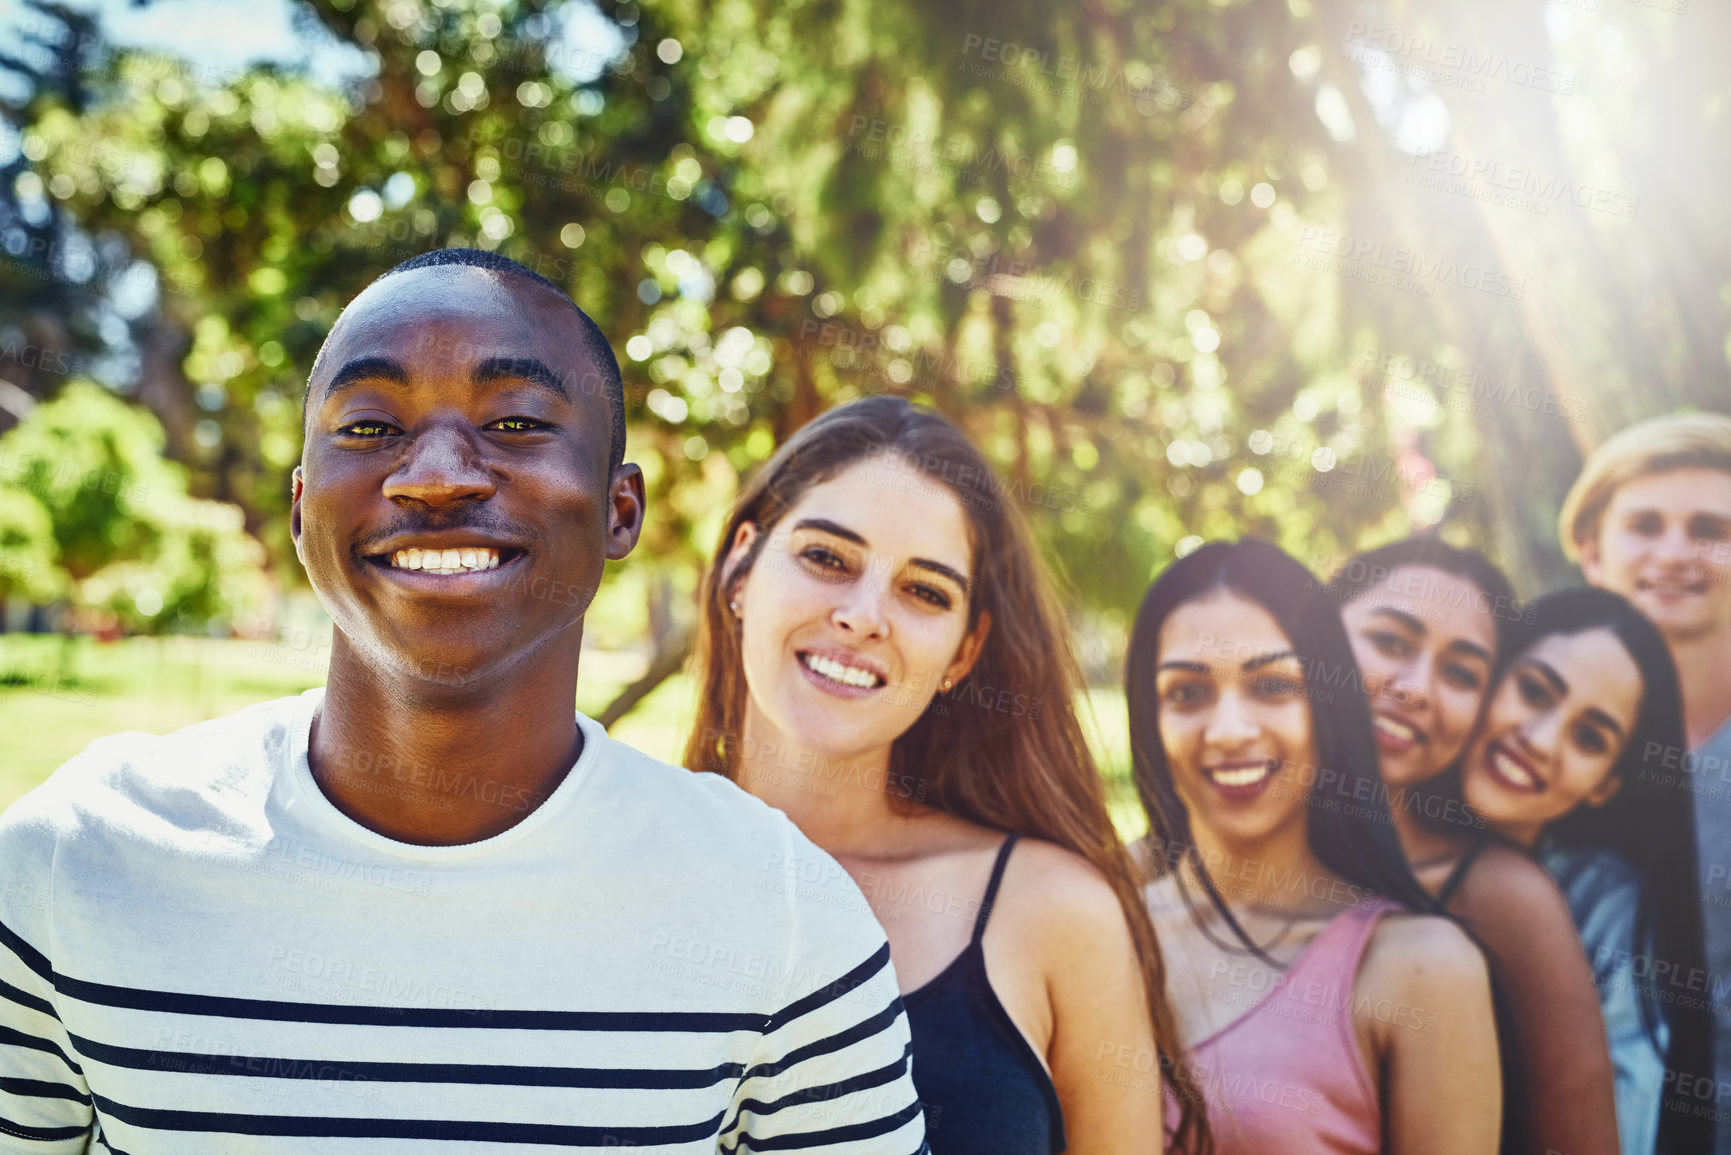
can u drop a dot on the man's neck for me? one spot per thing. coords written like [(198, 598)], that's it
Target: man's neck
[(1704, 669), (444, 765)]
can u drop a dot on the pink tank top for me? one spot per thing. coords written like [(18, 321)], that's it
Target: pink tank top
[(1286, 1076)]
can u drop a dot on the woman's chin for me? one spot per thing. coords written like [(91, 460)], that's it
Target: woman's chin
[(1407, 773)]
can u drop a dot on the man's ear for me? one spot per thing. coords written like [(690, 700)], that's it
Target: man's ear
[(297, 486), (1591, 568), (969, 651), (625, 505), (744, 538)]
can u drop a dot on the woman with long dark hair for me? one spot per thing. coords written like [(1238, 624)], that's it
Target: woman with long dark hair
[(1324, 1012), (1569, 764), (1430, 624), (881, 657)]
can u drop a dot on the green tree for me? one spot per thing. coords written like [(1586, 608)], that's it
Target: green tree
[(1145, 253), (122, 529)]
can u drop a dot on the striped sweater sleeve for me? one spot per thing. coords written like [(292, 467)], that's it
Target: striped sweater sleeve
[(44, 1102), (832, 1071)]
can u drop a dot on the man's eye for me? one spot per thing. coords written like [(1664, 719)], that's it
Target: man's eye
[(1647, 524), (1710, 529), (519, 425), (366, 429)]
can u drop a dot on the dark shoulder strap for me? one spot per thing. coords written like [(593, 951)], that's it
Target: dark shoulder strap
[(992, 887), (1459, 874)]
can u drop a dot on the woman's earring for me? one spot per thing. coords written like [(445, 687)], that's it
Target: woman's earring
[(946, 684), (734, 606)]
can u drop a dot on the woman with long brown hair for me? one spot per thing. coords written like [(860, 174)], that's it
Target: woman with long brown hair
[(881, 657)]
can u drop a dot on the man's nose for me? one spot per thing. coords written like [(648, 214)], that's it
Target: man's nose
[(441, 465)]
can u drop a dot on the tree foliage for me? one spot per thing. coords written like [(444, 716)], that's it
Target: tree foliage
[(1186, 268)]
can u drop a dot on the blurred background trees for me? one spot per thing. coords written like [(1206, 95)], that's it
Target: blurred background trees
[(1315, 270)]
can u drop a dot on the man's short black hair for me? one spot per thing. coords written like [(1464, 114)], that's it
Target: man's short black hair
[(595, 343)]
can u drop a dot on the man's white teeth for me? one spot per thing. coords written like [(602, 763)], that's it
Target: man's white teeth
[(1397, 730), (465, 560), (836, 672), (1242, 775), (1514, 771)]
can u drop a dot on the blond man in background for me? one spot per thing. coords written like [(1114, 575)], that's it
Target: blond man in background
[(1650, 518)]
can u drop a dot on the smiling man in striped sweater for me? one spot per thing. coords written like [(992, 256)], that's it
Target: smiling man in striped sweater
[(430, 903)]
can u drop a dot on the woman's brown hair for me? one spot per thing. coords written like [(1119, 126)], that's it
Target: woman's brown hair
[(1004, 747)]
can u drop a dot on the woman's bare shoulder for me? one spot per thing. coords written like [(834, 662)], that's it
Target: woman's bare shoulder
[(1509, 892), (1424, 960)]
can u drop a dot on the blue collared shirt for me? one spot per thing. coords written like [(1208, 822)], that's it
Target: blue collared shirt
[(1604, 896)]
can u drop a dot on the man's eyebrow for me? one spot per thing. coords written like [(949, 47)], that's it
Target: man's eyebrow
[(527, 369), (366, 369), (488, 372)]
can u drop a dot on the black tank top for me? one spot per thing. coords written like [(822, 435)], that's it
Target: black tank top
[(983, 1088)]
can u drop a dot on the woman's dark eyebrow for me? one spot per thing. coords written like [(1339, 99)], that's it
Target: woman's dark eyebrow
[(1599, 716), (940, 569), (824, 525), (1411, 621), (1267, 659), (1181, 664), (1472, 650), (1549, 673)]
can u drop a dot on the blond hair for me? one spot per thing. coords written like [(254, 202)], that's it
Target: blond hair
[(1657, 445)]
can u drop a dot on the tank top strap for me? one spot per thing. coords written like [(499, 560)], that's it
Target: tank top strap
[(1337, 951), (991, 895), (1459, 874)]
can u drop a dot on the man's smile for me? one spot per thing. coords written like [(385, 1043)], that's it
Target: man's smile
[(456, 559)]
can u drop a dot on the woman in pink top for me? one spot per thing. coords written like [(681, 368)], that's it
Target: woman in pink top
[(1319, 1015)]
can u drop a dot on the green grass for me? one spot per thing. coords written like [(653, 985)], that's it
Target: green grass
[(160, 685)]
